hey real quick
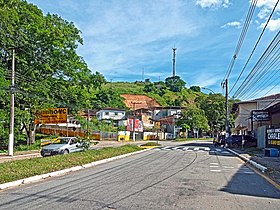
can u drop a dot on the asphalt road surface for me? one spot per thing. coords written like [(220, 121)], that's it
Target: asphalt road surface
[(190, 176)]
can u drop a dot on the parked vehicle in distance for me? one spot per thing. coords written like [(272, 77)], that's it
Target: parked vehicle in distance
[(236, 141), (219, 141), (45, 142), (62, 145)]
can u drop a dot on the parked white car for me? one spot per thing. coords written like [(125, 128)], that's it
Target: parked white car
[(62, 145)]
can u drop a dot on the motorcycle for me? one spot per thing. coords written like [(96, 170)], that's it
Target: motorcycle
[(216, 142)]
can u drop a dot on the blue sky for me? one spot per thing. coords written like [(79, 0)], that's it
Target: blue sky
[(124, 38)]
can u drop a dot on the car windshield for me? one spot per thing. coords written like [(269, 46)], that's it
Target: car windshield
[(62, 141)]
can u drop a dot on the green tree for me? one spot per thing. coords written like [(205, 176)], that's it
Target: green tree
[(194, 118), (107, 98), (213, 106), (195, 89), (149, 87), (175, 84), (160, 88), (49, 73)]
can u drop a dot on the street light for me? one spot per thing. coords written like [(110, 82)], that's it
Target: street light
[(204, 88)]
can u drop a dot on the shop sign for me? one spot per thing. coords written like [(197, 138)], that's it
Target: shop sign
[(51, 116), (260, 115), (273, 137)]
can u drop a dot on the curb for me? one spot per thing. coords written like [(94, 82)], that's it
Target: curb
[(263, 169), (64, 171), (19, 156)]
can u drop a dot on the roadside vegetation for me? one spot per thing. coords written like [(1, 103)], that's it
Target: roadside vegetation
[(46, 57), (19, 169)]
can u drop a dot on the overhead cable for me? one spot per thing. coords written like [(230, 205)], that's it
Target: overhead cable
[(248, 80), (242, 36), (256, 44), (268, 68)]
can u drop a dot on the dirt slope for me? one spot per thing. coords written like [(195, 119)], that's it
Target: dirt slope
[(138, 101)]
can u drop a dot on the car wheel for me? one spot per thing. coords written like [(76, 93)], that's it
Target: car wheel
[(65, 152)]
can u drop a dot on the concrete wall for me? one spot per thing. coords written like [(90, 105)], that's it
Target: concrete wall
[(275, 119), (261, 136), (244, 113)]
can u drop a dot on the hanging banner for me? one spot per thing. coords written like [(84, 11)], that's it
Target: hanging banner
[(51, 116)]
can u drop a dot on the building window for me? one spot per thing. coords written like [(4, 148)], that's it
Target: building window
[(106, 113), (116, 113)]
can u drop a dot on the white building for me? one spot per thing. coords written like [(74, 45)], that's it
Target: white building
[(110, 114)]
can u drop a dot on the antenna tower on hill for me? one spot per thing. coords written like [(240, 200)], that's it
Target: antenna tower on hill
[(174, 54)]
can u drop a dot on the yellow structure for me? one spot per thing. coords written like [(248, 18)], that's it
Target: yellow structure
[(123, 135)]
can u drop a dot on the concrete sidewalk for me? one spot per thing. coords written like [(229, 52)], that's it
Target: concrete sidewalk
[(269, 166)]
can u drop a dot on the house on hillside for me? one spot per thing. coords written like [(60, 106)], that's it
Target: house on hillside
[(167, 117), (114, 114), (159, 119), (162, 112), (145, 115)]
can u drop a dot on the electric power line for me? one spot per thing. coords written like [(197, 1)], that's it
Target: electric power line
[(249, 79), (242, 36), (265, 84), (256, 44)]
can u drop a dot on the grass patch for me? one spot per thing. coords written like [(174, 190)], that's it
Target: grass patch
[(19, 169), (151, 144)]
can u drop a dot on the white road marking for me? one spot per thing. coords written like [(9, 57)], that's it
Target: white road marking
[(214, 166), (228, 167), (207, 149), (248, 172), (196, 149), (215, 170), (214, 163)]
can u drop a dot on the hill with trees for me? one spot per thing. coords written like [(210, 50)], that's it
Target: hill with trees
[(50, 74)]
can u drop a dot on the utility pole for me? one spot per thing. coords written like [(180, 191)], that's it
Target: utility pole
[(133, 121), (12, 108), (174, 54), (88, 123), (225, 85)]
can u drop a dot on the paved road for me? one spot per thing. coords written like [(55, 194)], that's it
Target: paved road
[(191, 176)]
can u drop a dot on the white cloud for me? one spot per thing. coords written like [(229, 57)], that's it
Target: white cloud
[(264, 13), (125, 35), (266, 7), (206, 79), (235, 24), (273, 25), (268, 4), (212, 3)]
